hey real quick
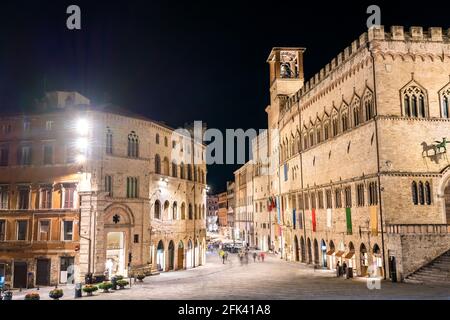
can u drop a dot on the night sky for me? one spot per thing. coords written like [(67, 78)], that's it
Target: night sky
[(178, 62)]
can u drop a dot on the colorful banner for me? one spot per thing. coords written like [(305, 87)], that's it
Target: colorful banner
[(374, 221), (314, 220), (348, 213), (278, 209), (329, 218)]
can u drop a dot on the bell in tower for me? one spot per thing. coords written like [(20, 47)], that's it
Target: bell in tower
[(286, 69)]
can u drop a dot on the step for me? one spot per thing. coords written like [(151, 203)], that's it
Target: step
[(430, 279)]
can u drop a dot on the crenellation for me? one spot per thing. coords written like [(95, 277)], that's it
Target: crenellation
[(416, 33), (398, 33), (435, 34)]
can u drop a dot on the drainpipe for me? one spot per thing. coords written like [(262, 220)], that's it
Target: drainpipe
[(378, 160)]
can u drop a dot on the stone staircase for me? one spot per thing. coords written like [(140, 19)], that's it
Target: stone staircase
[(436, 272)]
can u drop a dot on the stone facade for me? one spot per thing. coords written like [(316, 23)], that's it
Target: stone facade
[(353, 152), (139, 191)]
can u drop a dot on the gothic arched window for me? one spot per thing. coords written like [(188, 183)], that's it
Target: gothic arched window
[(157, 212), (421, 194), (369, 105), (414, 101), (445, 106), (157, 164), (427, 193), (414, 193), (133, 145)]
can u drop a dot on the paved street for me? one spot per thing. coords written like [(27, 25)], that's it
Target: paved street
[(272, 279)]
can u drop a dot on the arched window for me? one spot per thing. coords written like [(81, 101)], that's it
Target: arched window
[(109, 141), (195, 172), (414, 193), (182, 174), (157, 164), (414, 101), (133, 145), (427, 193), (157, 212), (369, 105), (190, 212), (319, 134), (344, 118), (166, 166), (174, 211), (326, 131), (183, 211), (311, 138), (445, 107), (166, 142), (421, 194), (356, 110), (189, 172), (157, 138), (174, 169), (305, 142), (166, 209), (335, 127)]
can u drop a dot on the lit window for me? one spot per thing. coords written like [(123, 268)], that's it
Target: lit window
[(67, 229)]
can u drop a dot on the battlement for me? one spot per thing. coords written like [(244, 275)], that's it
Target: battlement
[(376, 33)]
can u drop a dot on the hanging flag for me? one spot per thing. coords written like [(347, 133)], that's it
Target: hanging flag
[(278, 209), (373, 221), (294, 218), (329, 223), (314, 219), (286, 172), (300, 220), (348, 213)]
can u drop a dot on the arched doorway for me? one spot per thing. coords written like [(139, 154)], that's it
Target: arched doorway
[(323, 249), (115, 253), (197, 253), (171, 255), (364, 260), (189, 252), (296, 255), (160, 261), (180, 257), (302, 249), (350, 256), (316, 252), (377, 262), (308, 245), (331, 254)]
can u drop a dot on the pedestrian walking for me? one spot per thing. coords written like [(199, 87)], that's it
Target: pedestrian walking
[(344, 269), (259, 257), (338, 269), (254, 256), (226, 255), (262, 256)]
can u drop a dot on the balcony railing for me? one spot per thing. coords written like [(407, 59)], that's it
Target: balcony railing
[(418, 229)]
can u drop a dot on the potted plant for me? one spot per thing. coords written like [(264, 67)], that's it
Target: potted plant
[(140, 277), (90, 289), (105, 286), (56, 294), (32, 296), (122, 283)]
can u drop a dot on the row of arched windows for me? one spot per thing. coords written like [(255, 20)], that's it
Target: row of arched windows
[(166, 212), (415, 101), (330, 125), (421, 193), (189, 172)]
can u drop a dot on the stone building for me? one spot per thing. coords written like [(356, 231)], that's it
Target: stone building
[(230, 208), (95, 189), (243, 219), (212, 205), (358, 168)]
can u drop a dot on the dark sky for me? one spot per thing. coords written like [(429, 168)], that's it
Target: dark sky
[(179, 61)]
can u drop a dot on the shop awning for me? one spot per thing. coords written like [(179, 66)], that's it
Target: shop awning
[(330, 252), (349, 255), (339, 254)]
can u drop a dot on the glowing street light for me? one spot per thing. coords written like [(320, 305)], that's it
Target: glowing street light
[(80, 158), (82, 144), (82, 126)]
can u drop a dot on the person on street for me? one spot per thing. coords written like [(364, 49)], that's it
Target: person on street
[(338, 269), (262, 256), (254, 256), (344, 269), (226, 255)]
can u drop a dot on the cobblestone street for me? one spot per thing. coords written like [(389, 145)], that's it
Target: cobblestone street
[(272, 279)]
